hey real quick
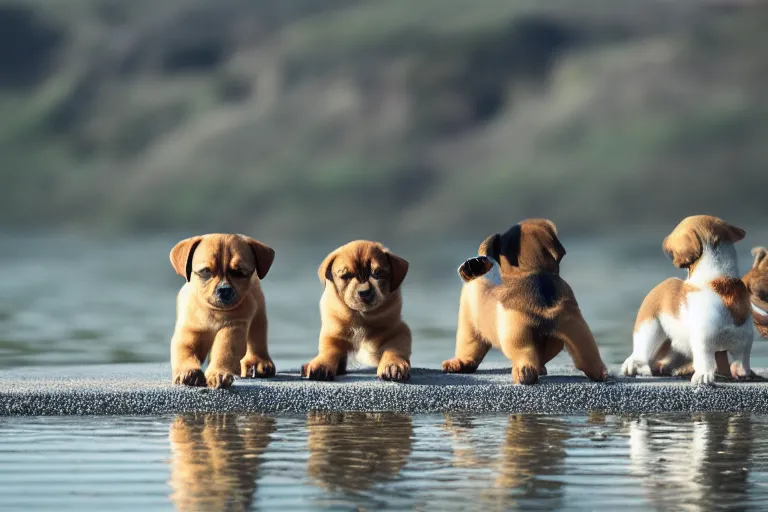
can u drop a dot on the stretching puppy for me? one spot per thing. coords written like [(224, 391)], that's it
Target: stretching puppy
[(514, 299), (220, 310), (709, 312), (360, 312), (756, 281)]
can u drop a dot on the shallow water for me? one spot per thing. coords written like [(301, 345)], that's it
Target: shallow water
[(354, 461)]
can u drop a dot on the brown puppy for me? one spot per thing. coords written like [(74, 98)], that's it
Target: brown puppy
[(360, 312), (220, 310), (756, 281), (521, 305)]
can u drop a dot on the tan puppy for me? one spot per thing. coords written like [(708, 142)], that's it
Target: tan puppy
[(360, 312), (756, 281), (694, 319), (521, 305), (220, 310)]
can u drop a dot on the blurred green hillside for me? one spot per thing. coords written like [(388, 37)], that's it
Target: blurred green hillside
[(379, 116)]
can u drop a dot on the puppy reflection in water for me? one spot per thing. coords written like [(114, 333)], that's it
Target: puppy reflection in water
[(693, 462), (215, 460), (353, 451), (532, 448)]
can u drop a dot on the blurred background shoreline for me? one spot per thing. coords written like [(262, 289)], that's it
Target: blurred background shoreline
[(379, 118)]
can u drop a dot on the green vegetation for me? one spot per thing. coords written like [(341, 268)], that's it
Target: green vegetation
[(436, 115)]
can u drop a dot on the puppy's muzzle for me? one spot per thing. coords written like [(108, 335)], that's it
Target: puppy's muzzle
[(366, 295), (225, 294)]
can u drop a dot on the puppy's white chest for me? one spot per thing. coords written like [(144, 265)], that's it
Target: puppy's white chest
[(357, 337), (365, 352)]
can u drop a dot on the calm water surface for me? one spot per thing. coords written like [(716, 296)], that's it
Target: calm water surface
[(353, 461)]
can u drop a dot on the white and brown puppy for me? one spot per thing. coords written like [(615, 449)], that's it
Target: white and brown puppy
[(220, 310), (709, 312), (756, 281), (514, 299), (361, 313)]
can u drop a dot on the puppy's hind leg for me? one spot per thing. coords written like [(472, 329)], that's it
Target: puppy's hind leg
[(470, 348), (578, 340), (548, 349), (647, 340)]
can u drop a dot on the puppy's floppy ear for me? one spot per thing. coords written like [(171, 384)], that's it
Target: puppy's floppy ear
[(491, 247), (683, 246), (181, 256), (553, 243), (324, 271), (759, 253), (398, 268), (727, 232), (264, 255)]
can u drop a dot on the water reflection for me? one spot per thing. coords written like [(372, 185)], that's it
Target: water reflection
[(352, 451), (351, 461), (695, 462), (524, 462), (215, 459)]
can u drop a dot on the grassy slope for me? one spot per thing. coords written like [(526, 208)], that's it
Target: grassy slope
[(282, 116)]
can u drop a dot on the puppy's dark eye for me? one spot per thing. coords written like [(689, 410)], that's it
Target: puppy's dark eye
[(379, 274), (204, 273), (237, 272), (346, 277)]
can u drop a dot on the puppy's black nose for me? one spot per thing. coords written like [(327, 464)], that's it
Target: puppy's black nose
[(366, 295), (225, 293)]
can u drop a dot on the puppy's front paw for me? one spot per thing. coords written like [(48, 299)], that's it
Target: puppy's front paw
[(398, 372), (629, 368), (257, 368), (703, 378), (317, 371), (457, 365), (194, 377), (598, 375), (633, 368), (219, 380), (525, 374)]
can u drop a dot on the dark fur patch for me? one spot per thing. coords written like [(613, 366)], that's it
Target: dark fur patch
[(542, 288), (188, 266)]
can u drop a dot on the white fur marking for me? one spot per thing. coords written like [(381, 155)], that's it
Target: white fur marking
[(759, 311), (493, 276)]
